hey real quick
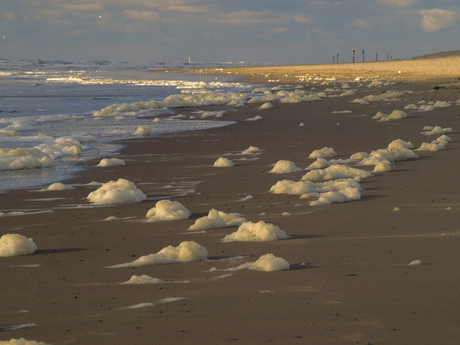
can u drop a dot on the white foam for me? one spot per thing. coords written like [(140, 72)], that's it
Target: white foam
[(16, 245), (165, 210), (22, 341), (266, 105), (144, 279), (256, 118), (394, 115), (442, 104), (110, 162), (143, 131), (24, 158), (415, 263), (320, 163), (436, 130), (260, 231), (223, 162), (284, 167), (335, 172), (433, 146), (186, 251), (266, 263), (116, 192), (217, 219), (325, 152), (251, 150), (59, 186), (140, 305), (306, 187)]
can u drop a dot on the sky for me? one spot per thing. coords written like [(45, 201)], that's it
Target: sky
[(266, 31)]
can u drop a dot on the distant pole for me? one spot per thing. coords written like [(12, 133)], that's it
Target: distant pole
[(353, 55), (387, 57), (189, 59), (333, 58), (363, 55), (376, 57), (337, 58)]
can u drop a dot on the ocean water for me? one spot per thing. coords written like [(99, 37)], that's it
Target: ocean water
[(47, 112)]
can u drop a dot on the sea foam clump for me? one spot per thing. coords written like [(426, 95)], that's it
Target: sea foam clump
[(176, 101), (143, 279), (111, 162), (223, 162), (16, 245), (394, 115), (24, 158), (260, 231), (217, 219), (335, 172), (266, 263), (187, 251), (22, 341), (284, 167), (435, 130), (59, 186), (307, 187), (116, 192), (325, 152), (251, 150), (167, 210)]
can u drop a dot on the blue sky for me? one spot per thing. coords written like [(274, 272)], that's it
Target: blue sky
[(268, 31)]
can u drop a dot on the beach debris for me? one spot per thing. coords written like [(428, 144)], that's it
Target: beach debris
[(265, 263), (165, 210), (415, 262), (110, 162), (186, 251), (116, 192), (16, 245), (223, 162), (325, 152), (285, 167), (259, 231), (59, 186), (217, 219)]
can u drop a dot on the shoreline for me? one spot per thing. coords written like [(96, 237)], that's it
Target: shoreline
[(349, 280), (426, 70)]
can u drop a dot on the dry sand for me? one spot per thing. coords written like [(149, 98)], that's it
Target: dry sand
[(349, 282)]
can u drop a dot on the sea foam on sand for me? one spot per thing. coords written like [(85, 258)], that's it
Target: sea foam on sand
[(217, 219), (15, 245), (260, 231), (59, 186), (143, 279), (223, 162), (284, 167), (186, 251), (167, 210), (325, 152), (116, 192), (335, 172), (266, 263), (110, 162), (21, 341)]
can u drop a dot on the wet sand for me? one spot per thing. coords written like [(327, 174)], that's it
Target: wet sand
[(349, 282)]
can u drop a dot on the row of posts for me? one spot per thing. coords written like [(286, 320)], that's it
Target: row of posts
[(376, 57)]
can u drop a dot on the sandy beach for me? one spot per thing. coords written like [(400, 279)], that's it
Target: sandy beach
[(349, 280)]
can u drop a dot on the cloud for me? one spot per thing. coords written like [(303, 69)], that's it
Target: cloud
[(145, 16), (437, 19), (83, 7), (397, 3), (361, 23)]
